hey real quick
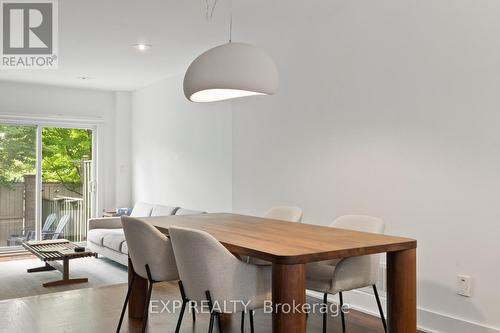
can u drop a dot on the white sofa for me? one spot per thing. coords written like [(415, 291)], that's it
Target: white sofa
[(106, 235)]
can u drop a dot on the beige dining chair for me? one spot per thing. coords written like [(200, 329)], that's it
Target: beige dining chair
[(153, 259), (337, 276), (284, 213), (212, 274)]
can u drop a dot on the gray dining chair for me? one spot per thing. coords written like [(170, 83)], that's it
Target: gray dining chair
[(152, 258), (337, 276), (211, 273)]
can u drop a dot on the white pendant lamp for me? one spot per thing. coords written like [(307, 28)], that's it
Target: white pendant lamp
[(230, 71)]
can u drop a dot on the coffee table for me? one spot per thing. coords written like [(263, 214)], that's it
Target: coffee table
[(52, 252)]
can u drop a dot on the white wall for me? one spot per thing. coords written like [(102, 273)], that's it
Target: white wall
[(181, 151), (51, 104), (387, 108), (123, 147)]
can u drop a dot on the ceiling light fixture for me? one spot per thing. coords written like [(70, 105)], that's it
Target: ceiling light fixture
[(83, 78), (230, 71), (142, 47)]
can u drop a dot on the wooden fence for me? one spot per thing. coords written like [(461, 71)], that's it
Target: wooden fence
[(17, 205), (11, 211)]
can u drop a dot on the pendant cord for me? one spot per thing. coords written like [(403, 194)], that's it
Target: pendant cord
[(231, 21), (209, 14), (210, 8)]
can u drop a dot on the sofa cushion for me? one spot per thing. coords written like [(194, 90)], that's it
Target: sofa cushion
[(96, 235), (141, 209), (184, 211), (114, 239), (160, 210)]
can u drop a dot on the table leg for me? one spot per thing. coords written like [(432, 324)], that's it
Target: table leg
[(45, 268), (401, 291), (137, 294), (65, 282), (64, 269), (289, 290)]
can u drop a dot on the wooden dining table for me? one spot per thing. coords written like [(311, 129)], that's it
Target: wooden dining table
[(289, 247)]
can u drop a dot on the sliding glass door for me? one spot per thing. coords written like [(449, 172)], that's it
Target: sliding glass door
[(67, 178), (47, 185)]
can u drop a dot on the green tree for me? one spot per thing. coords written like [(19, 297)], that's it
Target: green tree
[(63, 149), (17, 152)]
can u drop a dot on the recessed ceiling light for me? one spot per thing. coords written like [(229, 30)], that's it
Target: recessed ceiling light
[(142, 47)]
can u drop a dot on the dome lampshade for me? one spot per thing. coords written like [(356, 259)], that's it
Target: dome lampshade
[(230, 71)]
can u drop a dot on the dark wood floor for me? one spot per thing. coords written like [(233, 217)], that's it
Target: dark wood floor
[(97, 310)]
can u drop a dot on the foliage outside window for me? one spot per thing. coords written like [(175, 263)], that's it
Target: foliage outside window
[(63, 150)]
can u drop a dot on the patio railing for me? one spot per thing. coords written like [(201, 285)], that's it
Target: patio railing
[(76, 229)]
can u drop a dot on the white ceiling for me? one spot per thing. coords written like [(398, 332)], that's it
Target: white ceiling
[(95, 39)]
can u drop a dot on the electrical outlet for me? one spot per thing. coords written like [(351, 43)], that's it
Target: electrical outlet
[(464, 285)]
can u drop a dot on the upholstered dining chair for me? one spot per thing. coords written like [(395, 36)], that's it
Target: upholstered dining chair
[(212, 274), (152, 258), (337, 276), (284, 213)]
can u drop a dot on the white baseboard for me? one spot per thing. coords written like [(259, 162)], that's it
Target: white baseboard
[(428, 321)]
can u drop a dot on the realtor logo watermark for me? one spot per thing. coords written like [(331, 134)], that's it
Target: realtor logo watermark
[(29, 35)]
